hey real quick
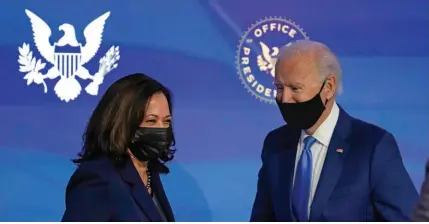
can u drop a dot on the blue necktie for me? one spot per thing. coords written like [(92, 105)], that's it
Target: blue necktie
[(301, 189)]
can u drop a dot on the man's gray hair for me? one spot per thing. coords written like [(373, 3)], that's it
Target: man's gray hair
[(327, 62)]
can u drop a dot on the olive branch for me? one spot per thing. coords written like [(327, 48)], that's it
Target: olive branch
[(31, 66)]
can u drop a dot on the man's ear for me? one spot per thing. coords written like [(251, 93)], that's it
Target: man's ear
[(330, 87)]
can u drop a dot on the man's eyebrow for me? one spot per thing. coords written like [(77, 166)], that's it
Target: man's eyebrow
[(299, 84), (296, 84)]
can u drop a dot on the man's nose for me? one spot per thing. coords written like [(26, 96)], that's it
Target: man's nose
[(286, 96)]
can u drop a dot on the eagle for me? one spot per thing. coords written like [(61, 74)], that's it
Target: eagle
[(67, 88), (267, 60)]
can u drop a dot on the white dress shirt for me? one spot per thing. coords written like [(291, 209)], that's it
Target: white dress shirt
[(319, 149)]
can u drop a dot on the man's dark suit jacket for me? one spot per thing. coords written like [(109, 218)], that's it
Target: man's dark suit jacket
[(98, 191), (421, 213), (364, 182)]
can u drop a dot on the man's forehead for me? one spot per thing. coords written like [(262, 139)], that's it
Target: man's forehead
[(298, 61), (296, 69)]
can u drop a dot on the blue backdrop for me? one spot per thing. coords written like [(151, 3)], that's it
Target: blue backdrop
[(190, 46)]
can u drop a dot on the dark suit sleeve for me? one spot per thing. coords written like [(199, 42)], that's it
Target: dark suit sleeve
[(394, 194), (262, 207), (86, 198), (421, 213)]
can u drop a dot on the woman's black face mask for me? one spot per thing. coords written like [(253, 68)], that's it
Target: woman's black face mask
[(151, 144)]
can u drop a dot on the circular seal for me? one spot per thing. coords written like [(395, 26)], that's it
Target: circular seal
[(257, 54)]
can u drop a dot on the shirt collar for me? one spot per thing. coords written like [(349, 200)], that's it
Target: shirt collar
[(324, 133)]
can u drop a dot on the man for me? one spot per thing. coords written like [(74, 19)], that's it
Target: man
[(421, 213), (325, 165)]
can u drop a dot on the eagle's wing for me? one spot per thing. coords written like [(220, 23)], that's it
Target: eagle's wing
[(41, 33), (93, 34), (265, 52), (273, 61)]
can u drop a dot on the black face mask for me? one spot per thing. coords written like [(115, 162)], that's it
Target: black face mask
[(151, 144), (303, 115)]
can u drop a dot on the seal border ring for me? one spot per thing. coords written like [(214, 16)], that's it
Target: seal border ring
[(244, 37)]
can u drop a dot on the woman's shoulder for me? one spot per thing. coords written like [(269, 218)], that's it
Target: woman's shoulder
[(96, 169), (87, 193)]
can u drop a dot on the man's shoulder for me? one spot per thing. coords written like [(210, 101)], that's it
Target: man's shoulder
[(359, 130), (283, 131), (369, 132), (278, 138)]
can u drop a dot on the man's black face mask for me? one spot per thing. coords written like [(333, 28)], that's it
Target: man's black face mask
[(303, 115)]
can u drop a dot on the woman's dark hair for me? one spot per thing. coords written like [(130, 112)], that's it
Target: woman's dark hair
[(117, 116)]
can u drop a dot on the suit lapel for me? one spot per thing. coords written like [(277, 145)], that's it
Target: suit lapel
[(286, 167), (333, 165), (138, 190), (158, 189)]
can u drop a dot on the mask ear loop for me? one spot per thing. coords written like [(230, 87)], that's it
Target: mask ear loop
[(320, 91)]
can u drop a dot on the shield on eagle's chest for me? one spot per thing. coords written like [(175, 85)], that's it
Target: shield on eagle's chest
[(67, 60)]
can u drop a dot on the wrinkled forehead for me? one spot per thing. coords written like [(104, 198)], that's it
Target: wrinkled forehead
[(296, 68)]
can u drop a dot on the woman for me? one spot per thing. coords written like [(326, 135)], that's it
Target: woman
[(126, 143)]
